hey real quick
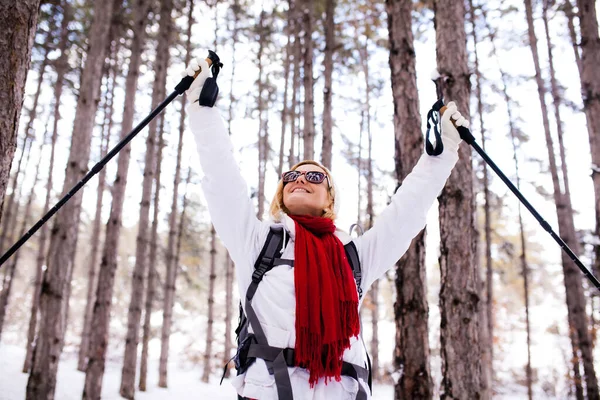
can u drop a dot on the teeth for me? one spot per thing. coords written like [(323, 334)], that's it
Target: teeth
[(300, 190)]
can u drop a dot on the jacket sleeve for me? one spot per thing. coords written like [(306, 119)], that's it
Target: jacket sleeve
[(389, 238), (231, 210)]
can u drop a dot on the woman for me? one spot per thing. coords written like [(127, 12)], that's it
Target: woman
[(310, 303)]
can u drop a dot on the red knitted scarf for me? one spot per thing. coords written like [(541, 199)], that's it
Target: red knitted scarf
[(326, 299)]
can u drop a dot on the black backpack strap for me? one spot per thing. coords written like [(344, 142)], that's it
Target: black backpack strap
[(354, 262), (264, 263)]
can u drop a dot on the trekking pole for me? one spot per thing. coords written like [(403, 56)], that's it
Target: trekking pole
[(208, 97), (466, 135)]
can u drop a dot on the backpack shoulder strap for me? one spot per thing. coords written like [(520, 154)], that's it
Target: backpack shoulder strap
[(266, 258), (354, 262)]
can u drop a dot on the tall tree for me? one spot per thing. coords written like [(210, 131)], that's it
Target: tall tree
[(161, 63), (411, 311), (106, 131), (578, 322), (211, 302), (151, 279), (42, 380), (486, 311), (460, 280), (18, 22), (590, 88), (286, 74), (262, 106), (309, 100), (328, 72), (61, 66)]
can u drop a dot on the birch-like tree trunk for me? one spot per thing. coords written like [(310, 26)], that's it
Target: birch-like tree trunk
[(578, 321), (294, 117), (309, 100), (411, 354), (327, 95), (460, 296), (42, 380), (61, 65), (18, 21), (211, 302), (486, 310)]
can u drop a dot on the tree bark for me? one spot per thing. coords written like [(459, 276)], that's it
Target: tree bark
[(411, 354), (127, 387), (309, 101), (286, 73), (590, 87), (42, 381), (486, 310), (18, 22), (211, 302), (97, 226), (263, 145), (10, 215), (61, 65), (294, 120), (460, 297), (229, 271), (328, 74), (572, 277)]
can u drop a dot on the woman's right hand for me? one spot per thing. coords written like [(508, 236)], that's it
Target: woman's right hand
[(197, 64)]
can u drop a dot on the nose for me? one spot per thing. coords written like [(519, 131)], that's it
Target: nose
[(301, 178)]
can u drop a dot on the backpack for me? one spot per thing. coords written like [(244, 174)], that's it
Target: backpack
[(254, 345)]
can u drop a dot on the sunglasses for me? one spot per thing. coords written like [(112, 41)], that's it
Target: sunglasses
[(310, 176)]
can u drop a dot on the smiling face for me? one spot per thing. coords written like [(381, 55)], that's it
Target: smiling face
[(305, 198)]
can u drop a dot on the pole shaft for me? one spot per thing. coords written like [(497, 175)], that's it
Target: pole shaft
[(95, 169)]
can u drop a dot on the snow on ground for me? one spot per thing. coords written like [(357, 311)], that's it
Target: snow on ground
[(184, 384)]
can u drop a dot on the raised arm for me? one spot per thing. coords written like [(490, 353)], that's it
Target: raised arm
[(381, 246), (231, 209)]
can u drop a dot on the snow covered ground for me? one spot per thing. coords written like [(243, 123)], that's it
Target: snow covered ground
[(184, 384)]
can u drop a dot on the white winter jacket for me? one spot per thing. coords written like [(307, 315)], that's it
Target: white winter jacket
[(234, 217)]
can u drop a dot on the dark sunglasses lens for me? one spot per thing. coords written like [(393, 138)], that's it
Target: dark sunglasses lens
[(290, 176), (315, 176)]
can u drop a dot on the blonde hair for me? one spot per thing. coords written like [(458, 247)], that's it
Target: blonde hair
[(277, 205)]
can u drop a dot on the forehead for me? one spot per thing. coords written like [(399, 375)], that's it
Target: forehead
[(310, 167)]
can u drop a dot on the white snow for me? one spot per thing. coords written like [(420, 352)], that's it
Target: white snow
[(183, 383)]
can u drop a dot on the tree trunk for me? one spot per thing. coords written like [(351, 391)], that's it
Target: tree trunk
[(211, 302), (61, 65), (573, 282), (309, 101), (97, 226), (42, 381), (411, 354), (127, 388), (590, 87), (229, 271), (286, 75), (486, 310), (460, 280), (261, 105), (7, 284), (18, 22), (10, 215), (294, 120), (568, 9), (328, 72)]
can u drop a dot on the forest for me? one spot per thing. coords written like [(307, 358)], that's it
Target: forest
[(128, 290)]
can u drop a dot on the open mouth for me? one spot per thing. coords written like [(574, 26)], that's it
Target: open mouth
[(300, 190)]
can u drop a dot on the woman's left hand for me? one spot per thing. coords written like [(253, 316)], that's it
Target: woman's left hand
[(450, 118)]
